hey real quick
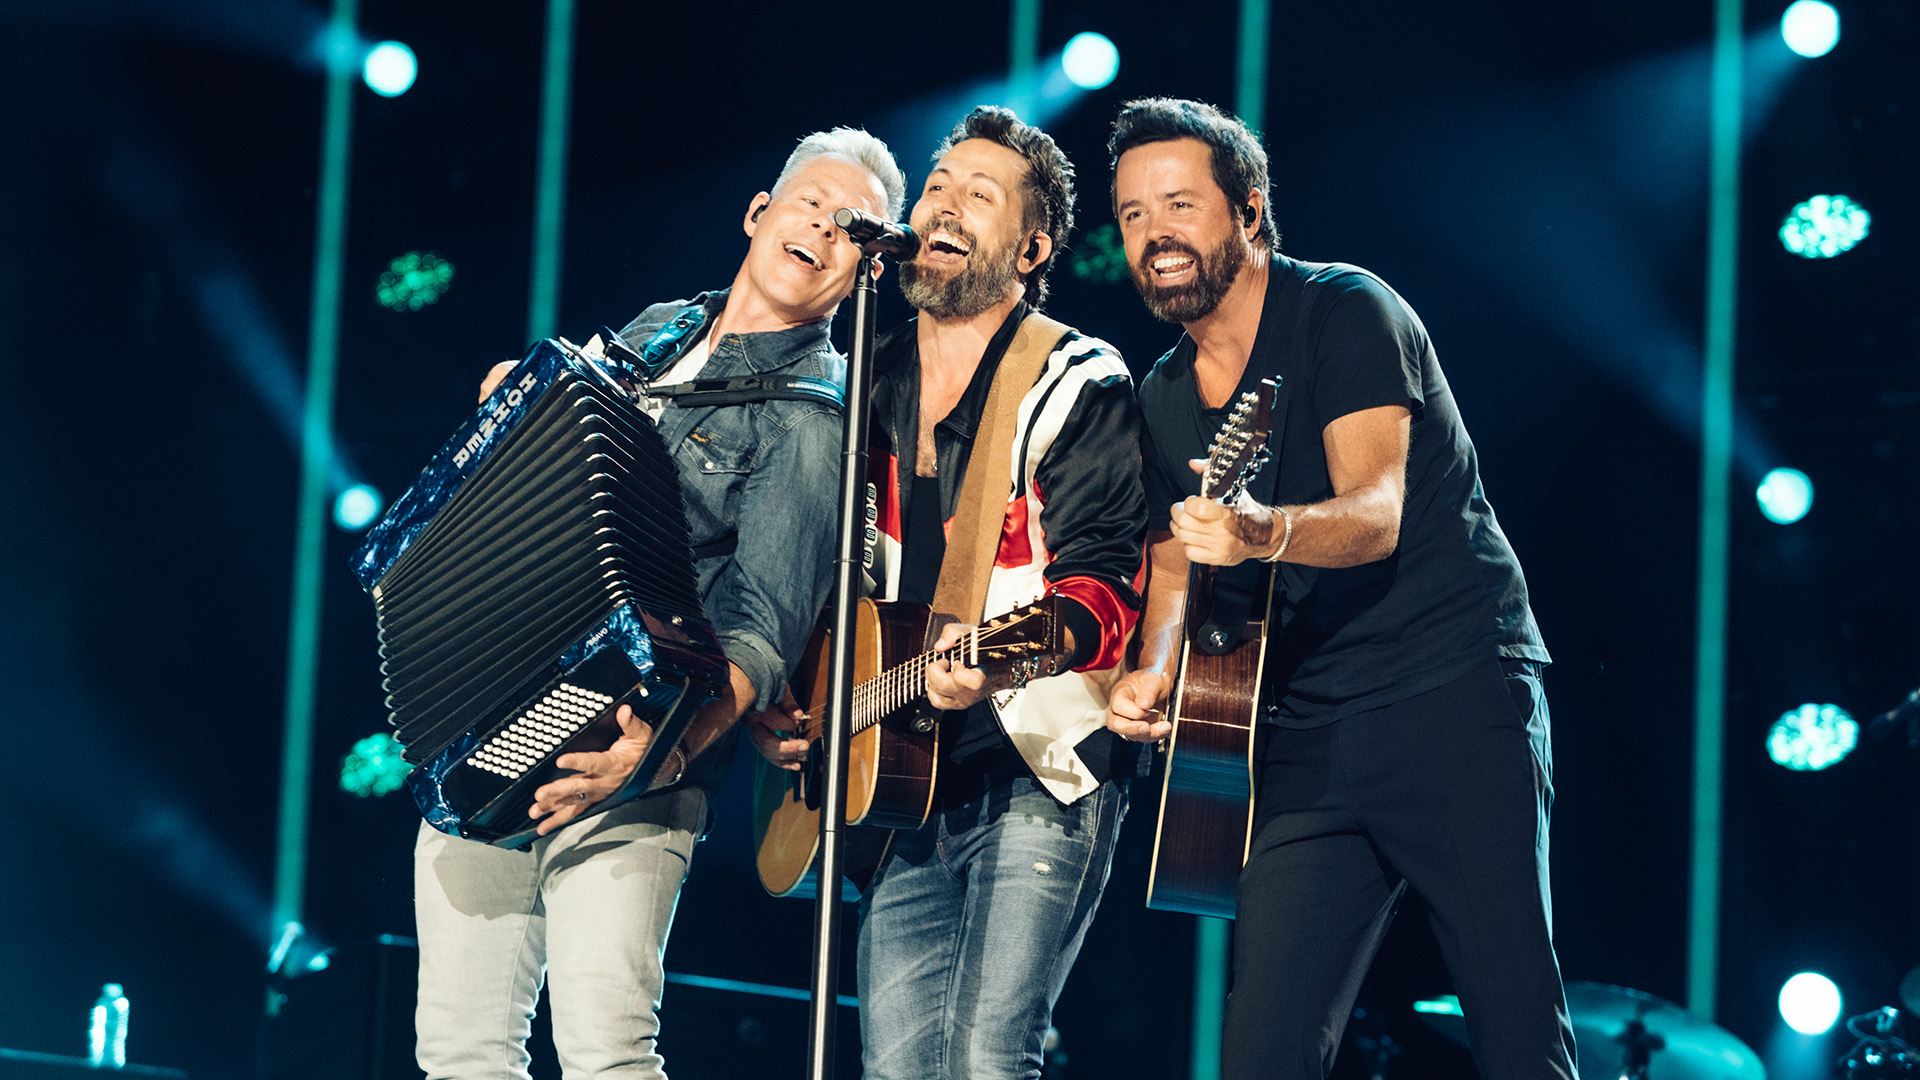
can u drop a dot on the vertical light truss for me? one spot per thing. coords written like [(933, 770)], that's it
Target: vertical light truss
[(1250, 83), (1716, 459), (550, 189), (316, 456), (1023, 55), (1209, 996)]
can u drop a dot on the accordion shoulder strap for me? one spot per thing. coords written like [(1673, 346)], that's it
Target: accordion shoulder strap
[(748, 390)]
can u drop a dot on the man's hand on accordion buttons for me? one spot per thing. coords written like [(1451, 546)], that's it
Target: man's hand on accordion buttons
[(596, 775), (494, 377)]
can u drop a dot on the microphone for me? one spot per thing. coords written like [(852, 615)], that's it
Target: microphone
[(1885, 727), (876, 235)]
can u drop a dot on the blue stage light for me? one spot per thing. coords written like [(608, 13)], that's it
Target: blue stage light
[(1810, 1003), (356, 507), (389, 69), (1824, 226), (1812, 737), (1091, 61), (1785, 495), (1810, 27)]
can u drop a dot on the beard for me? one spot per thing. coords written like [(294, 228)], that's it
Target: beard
[(986, 278), (1213, 275)]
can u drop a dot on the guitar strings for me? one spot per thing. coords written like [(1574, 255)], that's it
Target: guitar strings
[(905, 683)]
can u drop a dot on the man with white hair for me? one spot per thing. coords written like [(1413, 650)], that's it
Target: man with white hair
[(590, 902)]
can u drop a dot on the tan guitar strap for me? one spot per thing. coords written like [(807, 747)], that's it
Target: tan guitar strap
[(980, 516)]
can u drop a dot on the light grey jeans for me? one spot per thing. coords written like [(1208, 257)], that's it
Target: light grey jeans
[(591, 904)]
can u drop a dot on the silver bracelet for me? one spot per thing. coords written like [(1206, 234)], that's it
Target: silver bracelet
[(1285, 538)]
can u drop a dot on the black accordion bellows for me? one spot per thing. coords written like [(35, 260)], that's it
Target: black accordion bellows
[(538, 575)]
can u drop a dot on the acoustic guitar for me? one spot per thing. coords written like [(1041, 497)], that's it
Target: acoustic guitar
[(894, 755), (1206, 797)]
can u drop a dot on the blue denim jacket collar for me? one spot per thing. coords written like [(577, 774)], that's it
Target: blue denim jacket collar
[(797, 350)]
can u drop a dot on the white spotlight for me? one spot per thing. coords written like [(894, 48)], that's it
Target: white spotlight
[(1785, 496), (356, 507), (1091, 61), (1810, 1003), (389, 69), (1810, 27)]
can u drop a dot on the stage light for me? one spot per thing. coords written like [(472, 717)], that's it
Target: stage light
[(1824, 226), (356, 507), (414, 280), (1785, 495), (1100, 257), (389, 69), (1810, 1003), (1812, 737), (1091, 61), (1810, 27), (374, 766), (1444, 1005)]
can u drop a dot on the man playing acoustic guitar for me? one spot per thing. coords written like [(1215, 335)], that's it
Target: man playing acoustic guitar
[(973, 919), (1404, 728)]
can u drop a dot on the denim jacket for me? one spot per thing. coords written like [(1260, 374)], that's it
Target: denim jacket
[(769, 470)]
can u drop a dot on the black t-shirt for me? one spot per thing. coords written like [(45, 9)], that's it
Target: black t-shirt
[(1450, 596)]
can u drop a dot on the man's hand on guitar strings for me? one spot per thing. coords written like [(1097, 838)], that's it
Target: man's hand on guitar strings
[(1223, 535), (1134, 708), (597, 775), (957, 686), (780, 733)]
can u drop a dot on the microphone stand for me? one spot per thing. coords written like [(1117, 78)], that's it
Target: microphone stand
[(848, 567), (1889, 725)]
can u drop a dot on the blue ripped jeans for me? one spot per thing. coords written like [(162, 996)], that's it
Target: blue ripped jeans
[(970, 928)]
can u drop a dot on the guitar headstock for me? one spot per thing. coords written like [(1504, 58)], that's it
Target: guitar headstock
[(1034, 631), (1240, 446)]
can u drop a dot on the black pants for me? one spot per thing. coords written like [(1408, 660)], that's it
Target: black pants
[(1446, 792)]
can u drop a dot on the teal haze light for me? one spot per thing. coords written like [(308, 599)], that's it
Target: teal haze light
[(1785, 495), (389, 69), (1091, 60), (1812, 737), (1824, 226), (374, 766), (1810, 28)]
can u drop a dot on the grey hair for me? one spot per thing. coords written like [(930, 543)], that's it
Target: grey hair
[(859, 147)]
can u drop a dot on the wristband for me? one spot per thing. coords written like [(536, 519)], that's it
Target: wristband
[(1285, 537)]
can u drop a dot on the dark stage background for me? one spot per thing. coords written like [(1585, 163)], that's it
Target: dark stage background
[(1532, 177)]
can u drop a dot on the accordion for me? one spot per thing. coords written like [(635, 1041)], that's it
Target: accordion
[(537, 576)]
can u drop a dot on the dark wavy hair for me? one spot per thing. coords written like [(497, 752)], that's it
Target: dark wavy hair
[(1047, 204), (1239, 163)]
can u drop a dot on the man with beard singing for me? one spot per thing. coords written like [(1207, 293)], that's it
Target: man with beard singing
[(972, 921), (1404, 734)]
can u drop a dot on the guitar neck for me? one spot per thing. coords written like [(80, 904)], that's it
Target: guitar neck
[(897, 687), (1029, 634)]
